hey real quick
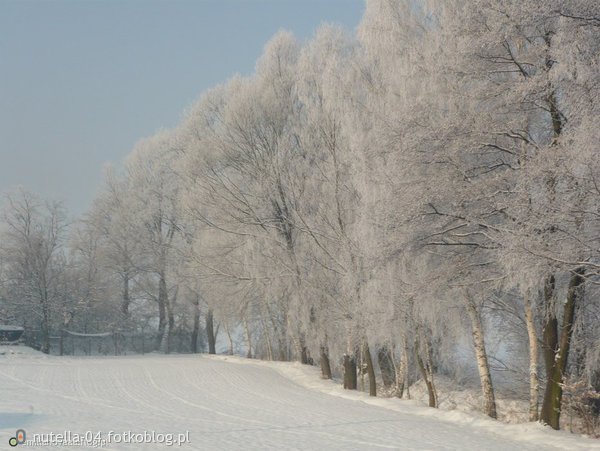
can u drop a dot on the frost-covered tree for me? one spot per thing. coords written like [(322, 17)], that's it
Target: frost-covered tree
[(112, 221), (34, 264), (158, 226)]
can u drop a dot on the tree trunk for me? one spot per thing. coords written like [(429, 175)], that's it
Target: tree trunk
[(230, 339), (196, 327), (426, 373), (165, 345), (402, 381), (533, 360), (210, 333), (278, 333), (350, 378), (325, 366), (299, 348), (370, 369), (45, 345), (162, 312), (266, 335), (304, 355), (556, 353), (283, 353), (248, 338), (489, 400), (296, 341), (126, 299), (547, 414), (162, 324), (164, 342), (67, 317), (171, 322), (399, 379), (386, 365)]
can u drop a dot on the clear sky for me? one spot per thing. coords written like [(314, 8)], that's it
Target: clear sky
[(82, 81)]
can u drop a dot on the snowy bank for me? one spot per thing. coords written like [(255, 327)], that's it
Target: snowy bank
[(310, 377)]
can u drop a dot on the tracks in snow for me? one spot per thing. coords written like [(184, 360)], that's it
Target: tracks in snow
[(224, 405)]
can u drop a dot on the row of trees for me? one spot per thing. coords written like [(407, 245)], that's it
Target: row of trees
[(423, 195)]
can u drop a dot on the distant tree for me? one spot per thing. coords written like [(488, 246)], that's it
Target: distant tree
[(32, 238)]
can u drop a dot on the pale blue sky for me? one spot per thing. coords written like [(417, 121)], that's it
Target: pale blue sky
[(82, 81)]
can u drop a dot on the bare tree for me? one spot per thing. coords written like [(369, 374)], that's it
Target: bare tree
[(32, 246)]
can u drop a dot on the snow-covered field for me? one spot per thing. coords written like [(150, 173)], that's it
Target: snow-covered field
[(226, 403)]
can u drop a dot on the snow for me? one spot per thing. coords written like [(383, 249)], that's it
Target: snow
[(468, 398), (19, 351), (77, 334), (229, 403)]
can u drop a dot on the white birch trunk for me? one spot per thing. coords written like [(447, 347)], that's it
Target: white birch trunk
[(489, 401), (533, 360)]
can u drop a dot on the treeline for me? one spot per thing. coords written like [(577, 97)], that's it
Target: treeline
[(422, 195)]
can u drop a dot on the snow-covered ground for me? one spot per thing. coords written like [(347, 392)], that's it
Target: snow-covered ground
[(226, 403)]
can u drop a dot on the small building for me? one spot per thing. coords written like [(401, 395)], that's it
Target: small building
[(10, 334)]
